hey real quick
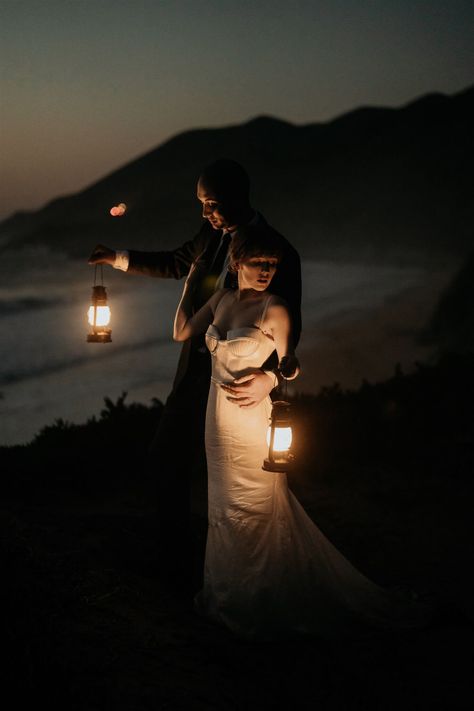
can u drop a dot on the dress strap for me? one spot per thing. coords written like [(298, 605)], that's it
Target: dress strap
[(264, 311)]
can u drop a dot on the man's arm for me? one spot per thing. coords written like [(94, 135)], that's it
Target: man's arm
[(172, 264), (169, 264)]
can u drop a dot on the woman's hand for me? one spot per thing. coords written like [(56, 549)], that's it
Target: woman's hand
[(289, 367)]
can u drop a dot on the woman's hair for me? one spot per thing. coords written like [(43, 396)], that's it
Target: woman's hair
[(254, 241)]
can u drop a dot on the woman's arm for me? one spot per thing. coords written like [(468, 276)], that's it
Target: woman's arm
[(278, 321), (187, 324)]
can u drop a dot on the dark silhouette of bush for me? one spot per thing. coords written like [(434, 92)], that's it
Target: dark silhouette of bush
[(98, 456), (418, 422), (422, 420)]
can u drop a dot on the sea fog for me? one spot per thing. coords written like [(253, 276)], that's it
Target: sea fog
[(358, 322)]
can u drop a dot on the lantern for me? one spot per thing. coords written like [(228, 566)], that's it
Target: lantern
[(99, 314), (279, 437)]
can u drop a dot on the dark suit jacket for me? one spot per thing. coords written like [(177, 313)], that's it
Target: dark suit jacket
[(176, 263)]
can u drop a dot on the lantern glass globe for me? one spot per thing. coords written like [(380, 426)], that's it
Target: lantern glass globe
[(99, 315), (282, 439)]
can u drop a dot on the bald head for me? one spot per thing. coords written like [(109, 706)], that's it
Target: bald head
[(228, 180), (223, 190)]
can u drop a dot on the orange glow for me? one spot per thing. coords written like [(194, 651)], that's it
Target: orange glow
[(118, 210)]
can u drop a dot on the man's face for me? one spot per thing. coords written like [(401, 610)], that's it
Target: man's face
[(220, 215)]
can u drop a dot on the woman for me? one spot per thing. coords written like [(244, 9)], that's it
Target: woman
[(269, 571)]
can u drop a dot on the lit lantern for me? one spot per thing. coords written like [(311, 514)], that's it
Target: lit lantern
[(99, 315), (279, 437)]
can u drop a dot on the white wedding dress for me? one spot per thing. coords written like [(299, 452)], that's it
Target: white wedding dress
[(269, 571)]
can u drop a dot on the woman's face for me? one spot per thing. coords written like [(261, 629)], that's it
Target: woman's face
[(256, 272)]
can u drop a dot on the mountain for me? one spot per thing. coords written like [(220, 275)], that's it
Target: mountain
[(372, 183)]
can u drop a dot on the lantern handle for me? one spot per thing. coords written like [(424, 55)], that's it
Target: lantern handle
[(101, 274), (283, 388)]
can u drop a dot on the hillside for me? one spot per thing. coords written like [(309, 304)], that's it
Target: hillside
[(373, 183)]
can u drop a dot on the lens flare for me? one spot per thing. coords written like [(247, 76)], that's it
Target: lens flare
[(118, 210)]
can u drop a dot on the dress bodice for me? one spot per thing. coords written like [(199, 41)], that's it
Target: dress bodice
[(241, 351)]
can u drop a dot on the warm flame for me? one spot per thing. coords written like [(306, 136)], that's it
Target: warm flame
[(102, 317), (282, 440)]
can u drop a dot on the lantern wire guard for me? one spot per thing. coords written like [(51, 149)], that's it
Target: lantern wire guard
[(99, 312), (279, 460)]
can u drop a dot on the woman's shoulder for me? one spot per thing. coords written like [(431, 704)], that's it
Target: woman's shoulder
[(276, 302), (218, 296), (276, 310)]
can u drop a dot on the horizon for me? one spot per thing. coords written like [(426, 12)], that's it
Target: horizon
[(87, 88), (105, 174)]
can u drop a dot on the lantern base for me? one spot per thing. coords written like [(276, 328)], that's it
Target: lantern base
[(270, 465), (104, 336)]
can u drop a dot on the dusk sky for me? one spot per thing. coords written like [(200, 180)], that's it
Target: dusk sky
[(87, 85)]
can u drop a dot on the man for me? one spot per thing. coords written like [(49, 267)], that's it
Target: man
[(177, 450)]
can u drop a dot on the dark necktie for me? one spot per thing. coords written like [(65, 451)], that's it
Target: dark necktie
[(219, 259)]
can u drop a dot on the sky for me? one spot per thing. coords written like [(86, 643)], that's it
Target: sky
[(88, 85)]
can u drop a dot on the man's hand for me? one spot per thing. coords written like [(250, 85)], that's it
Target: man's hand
[(102, 255), (249, 390), (289, 367)]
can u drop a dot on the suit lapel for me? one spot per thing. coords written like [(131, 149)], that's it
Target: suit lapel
[(205, 288)]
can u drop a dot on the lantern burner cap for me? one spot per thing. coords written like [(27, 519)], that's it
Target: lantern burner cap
[(103, 336), (274, 465)]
